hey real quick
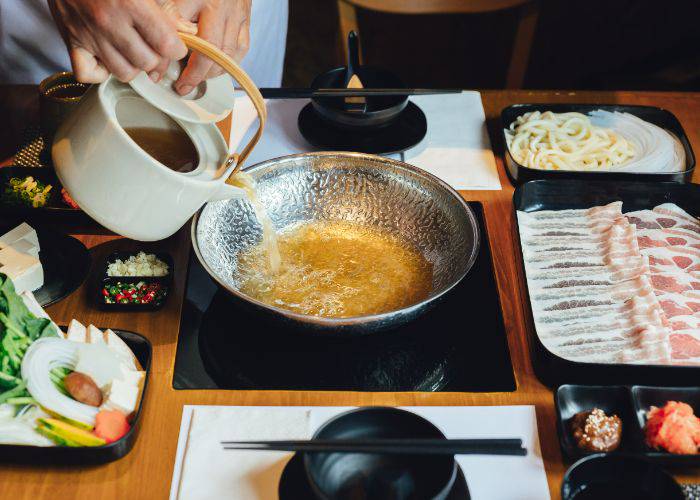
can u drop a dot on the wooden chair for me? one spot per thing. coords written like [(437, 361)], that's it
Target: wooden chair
[(527, 21)]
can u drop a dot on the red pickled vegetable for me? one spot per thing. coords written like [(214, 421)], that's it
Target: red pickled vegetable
[(110, 425), (674, 428)]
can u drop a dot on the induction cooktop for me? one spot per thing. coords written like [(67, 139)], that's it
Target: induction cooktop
[(458, 346)]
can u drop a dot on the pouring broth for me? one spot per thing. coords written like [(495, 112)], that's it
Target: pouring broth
[(336, 269)]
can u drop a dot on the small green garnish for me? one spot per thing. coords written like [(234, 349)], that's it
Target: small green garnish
[(27, 191)]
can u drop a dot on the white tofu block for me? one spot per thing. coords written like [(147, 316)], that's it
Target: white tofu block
[(24, 270), (95, 335), (22, 232), (76, 331), (121, 397), (132, 377), (115, 343), (23, 246)]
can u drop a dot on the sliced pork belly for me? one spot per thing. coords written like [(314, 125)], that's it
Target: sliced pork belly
[(610, 211), (615, 289), (674, 210)]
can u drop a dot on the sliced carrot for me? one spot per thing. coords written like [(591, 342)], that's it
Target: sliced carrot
[(110, 425)]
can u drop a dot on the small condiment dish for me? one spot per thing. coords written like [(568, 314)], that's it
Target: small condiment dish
[(613, 400), (161, 283)]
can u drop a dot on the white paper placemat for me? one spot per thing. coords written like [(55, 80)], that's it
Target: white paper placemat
[(456, 147), (204, 471)]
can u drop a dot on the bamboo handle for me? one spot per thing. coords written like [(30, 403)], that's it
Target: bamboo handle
[(229, 65)]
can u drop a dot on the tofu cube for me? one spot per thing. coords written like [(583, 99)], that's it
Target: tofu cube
[(121, 396), (24, 270), (76, 331)]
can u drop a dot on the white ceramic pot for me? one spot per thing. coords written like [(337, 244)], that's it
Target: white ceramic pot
[(122, 187)]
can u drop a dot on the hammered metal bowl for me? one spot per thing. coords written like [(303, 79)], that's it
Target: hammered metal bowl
[(365, 189)]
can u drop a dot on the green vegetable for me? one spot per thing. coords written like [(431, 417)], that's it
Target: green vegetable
[(18, 329), (27, 191)]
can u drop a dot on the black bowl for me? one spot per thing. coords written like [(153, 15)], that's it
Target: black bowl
[(377, 476), (379, 110), (608, 477)]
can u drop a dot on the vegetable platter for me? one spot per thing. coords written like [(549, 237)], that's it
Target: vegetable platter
[(70, 397)]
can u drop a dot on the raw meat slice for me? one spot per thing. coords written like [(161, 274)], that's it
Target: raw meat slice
[(676, 211)]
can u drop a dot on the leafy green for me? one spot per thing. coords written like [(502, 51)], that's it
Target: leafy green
[(27, 191), (18, 329)]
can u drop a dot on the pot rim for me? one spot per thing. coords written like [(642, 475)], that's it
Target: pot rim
[(352, 320)]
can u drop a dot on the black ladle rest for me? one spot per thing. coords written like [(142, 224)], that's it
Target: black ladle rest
[(376, 112)]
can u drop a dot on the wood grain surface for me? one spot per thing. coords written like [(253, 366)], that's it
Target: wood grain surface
[(146, 472)]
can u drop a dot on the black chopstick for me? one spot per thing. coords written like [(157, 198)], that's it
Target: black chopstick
[(306, 93), (390, 446)]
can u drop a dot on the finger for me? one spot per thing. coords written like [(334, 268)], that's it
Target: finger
[(159, 31), (211, 28), (115, 62), (230, 45), (134, 49), (243, 41), (86, 67), (156, 74)]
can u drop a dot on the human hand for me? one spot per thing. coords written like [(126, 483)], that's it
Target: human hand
[(224, 23), (122, 37)]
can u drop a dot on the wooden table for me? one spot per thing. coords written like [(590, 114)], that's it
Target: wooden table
[(147, 471)]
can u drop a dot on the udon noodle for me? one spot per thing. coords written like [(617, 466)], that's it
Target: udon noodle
[(598, 142)]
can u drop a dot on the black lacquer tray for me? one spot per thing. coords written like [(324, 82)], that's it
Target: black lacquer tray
[(459, 345), (571, 194), (89, 455), (631, 404), (658, 116)]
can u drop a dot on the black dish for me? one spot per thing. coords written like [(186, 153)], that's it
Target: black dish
[(613, 400), (54, 211), (558, 195), (378, 476), (65, 260), (644, 397), (88, 455), (164, 281), (631, 404), (612, 477), (405, 131), (658, 116), (379, 111), (294, 485)]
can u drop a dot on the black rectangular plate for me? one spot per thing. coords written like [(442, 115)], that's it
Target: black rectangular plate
[(630, 403), (54, 211), (613, 400), (166, 281), (88, 455), (559, 195), (458, 346), (658, 116)]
